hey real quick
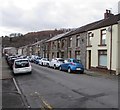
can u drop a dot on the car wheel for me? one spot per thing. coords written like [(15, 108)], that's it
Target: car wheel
[(42, 64), (47, 64), (69, 70), (60, 68), (54, 66)]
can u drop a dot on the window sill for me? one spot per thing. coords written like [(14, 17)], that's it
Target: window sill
[(102, 67), (101, 45), (77, 47), (89, 46)]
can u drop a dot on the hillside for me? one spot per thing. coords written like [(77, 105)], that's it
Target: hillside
[(29, 38)]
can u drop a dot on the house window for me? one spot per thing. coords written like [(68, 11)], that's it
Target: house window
[(62, 45), (103, 37), (77, 55), (90, 35), (59, 44), (62, 54), (69, 54), (77, 41), (70, 42), (53, 45), (102, 58), (53, 55)]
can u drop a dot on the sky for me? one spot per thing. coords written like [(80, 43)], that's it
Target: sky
[(23, 16)]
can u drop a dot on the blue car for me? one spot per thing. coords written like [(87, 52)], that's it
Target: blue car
[(72, 65)]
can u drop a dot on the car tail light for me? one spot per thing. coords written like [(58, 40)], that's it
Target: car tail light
[(72, 63)]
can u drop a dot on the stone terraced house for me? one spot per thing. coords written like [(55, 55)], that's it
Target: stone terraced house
[(96, 44)]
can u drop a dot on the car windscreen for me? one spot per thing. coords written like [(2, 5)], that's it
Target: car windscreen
[(45, 59), (21, 64), (39, 58)]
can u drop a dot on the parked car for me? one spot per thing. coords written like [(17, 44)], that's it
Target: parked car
[(11, 60), (36, 60), (32, 58), (44, 61), (72, 65), (6, 56), (56, 62), (22, 66)]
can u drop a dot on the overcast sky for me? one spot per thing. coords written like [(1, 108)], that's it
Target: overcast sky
[(23, 16)]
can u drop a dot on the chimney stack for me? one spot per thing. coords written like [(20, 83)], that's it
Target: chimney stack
[(107, 14)]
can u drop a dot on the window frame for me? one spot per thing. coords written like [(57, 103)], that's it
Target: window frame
[(70, 42), (90, 35), (101, 52), (77, 53), (78, 41), (102, 33)]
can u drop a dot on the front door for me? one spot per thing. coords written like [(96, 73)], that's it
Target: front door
[(89, 58), (57, 54)]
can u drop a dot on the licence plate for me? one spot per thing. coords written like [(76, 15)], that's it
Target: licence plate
[(78, 68)]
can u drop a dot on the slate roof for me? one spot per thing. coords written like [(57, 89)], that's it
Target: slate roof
[(57, 37), (95, 25), (91, 26), (83, 28), (107, 22)]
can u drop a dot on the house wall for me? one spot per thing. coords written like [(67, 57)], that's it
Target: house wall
[(96, 41), (19, 51), (114, 46), (10, 50), (81, 48), (118, 51), (65, 49)]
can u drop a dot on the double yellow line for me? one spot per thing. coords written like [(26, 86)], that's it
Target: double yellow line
[(44, 103)]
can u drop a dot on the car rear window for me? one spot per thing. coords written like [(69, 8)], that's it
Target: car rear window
[(21, 64), (76, 61), (61, 60)]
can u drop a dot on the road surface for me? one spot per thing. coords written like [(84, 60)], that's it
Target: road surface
[(50, 88)]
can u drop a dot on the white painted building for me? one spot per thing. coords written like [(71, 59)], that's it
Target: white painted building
[(103, 43), (20, 51), (10, 50)]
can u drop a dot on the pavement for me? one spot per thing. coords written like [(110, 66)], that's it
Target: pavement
[(106, 75), (11, 97)]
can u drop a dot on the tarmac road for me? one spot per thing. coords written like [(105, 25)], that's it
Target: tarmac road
[(50, 88)]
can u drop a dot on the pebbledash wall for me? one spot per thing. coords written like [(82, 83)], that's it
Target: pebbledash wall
[(81, 48), (95, 47)]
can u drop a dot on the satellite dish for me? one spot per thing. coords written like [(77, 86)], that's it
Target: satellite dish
[(109, 29)]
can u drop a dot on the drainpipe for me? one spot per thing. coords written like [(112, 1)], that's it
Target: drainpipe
[(110, 49)]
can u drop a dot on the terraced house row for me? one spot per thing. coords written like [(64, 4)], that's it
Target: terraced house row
[(96, 44)]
